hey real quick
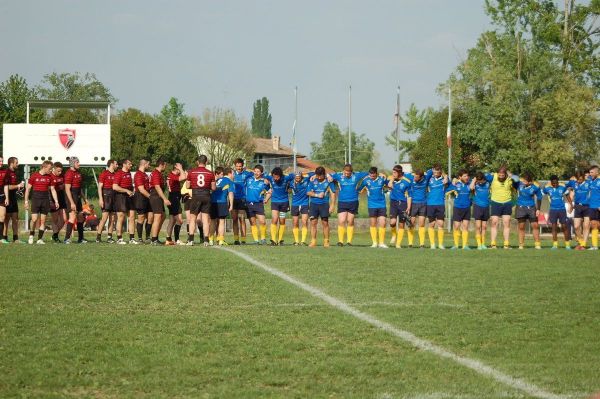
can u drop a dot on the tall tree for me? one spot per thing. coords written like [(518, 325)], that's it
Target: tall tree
[(413, 124), (331, 150), (180, 128), (261, 119)]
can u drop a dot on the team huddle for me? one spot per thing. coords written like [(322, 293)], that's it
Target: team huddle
[(135, 201)]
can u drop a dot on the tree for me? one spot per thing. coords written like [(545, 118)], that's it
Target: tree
[(261, 119), (413, 123), (331, 150), (223, 137), (180, 128)]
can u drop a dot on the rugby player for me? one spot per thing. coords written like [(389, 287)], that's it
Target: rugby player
[(348, 182), (322, 199), (74, 210), (580, 191), (239, 206), (123, 187), (299, 188), (557, 194), (59, 216), (201, 181), (417, 209), (221, 203), (158, 200), (501, 186), (280, 203), (174, 180), (375, 186), (40, 183), (436, 209), (106, 200), (480, 188), (399, 185), (528, 208), (258, 192), (4, 198), (461, 214), (594, 210), (12, 210), (141, 200)]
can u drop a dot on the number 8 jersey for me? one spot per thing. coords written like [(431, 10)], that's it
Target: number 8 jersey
[(200, 178)]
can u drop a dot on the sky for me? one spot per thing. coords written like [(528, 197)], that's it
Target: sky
[(230, 53)]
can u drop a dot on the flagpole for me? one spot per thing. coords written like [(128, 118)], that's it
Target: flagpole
[(350, 124), (449, 143), (398, 124), (294, 147)]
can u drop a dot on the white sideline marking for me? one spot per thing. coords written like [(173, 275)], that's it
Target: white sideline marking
[(407, 336), (358, 304)]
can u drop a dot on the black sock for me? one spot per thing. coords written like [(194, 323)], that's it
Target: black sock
[(139, 227), (190, 237), (2, 229), (131, 236), (109, 235), (177, 229), (69, 230), (154, 239), (169, 238), (31, 232), (148, 230), (98, 236), (15, 237), (55, 236), (119, 237), (80, 230), (40, 234)]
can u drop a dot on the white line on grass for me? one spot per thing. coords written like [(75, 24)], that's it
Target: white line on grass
[(358, 304), (407, 336)]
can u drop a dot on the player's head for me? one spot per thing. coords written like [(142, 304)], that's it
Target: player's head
[(13, 163), (373, 172), (1, 161), (527, 178), (277, 173), (127, 164), (219, 171), (437, 170), (46, 167), (57, 168), (161, 164), (238, 164), (298, 177), (73, 163), (111, 165), (554, 181), (202, 160), (397, 171), (320, 173), (594, 171), (463, 175), (143, 164), (480, 178), (579, 177), (228, 172), (418, 174), (348, 170), (502, 173), (258, 170)]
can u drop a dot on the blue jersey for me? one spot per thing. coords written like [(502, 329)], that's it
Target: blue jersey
[(401, 188), (436, 191), (256, 189), (349, 186), (300, 192), (582, 191), (463, 194), (319, 187), (556, 196), (224, 187), (375, 191), (418, 190), (594, 196), (280, 189), (239, 179), (482, 194), (528, 195)]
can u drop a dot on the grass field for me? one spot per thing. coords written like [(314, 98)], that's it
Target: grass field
[(110, 321)]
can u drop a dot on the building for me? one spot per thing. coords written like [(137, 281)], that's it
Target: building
[(271, 153)]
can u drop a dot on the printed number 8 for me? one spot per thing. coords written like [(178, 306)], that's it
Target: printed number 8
[(200, 180)]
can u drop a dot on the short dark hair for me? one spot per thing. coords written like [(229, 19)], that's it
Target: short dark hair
[(479, 176), (463, 172), (320, 171), (160, 161), (218, 170), (373, 169), (277, 171), (502, 169), (238, 160), (553, 177), (11, 160), (527, 177), (203, 159), (593, 167), (124, 161), (46, 163), (349, 166), (397, 168), (418, 172), (437, 166), (58, 164), (259, 167), (227, 170), (108, 163)]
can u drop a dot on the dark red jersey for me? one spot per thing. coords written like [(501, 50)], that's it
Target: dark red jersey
[(107, 179), (173, 183), (4, 179), (73, 177), (123, 179), (156, 179), (12, 177), (200, 178), (141, 179), (40, 182), (58, 181)]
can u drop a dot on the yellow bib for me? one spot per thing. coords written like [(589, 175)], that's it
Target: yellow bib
[(501, 192)]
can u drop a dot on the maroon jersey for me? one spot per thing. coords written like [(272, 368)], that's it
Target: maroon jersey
[(156, 179), (123, 179), (40, 182), (141, 179), (173, 183), (73, 177), (200, 178), (12, 177), (58, 181), (4, 179), (107, 179)]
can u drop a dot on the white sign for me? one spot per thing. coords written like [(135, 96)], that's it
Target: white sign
[(36, 143)]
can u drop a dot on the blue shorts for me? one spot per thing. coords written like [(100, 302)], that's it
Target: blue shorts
[(298, 210), (461, 214), (581, 211), (481, 212), (436, 212), (557, 215), (504, 209), (255, 208), (316, 211), (418, 210), (219, 210), (239, 204), (398, 209), (280, 206), (350, 207), (377, 212), (594, 214)]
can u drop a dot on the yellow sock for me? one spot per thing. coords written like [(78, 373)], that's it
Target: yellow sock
[(582, 243), (341, 233), (431, 233), (567, 243), (296, 232), (555, 243), (594, 237), (421, 236), (263, 231), (381, 235), (281, 232), (537, 244), (506, 243), (478, 238), (493, 243), (274, 232), (411, 236), (483, 239), (304, 233), (313, 242), (400, 237), (254, 230), (211, 237), (394, 231), (440, 237), (456, 234), (221, 239), (236, 237), (465, 238), (373, 231), (350, 232)]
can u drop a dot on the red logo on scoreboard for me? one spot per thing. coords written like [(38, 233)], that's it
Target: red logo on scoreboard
[(67, 137)]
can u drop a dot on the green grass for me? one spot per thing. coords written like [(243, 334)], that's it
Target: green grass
[(111, 321)]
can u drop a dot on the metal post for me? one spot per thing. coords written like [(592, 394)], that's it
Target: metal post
[(398, 124), (27, 119), (295, 147), (449, 142), (350, 124), (26, 182)]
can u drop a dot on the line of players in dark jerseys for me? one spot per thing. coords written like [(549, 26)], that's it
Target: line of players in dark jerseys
[(417, 202)]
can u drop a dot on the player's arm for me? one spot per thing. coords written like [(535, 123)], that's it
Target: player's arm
[(230, 200), (332, 201), (100, 196), (69, 196), (6, 199), (141, 188), (538, 202), (408, 204), (161, 194), (54, 195), (268, 195), (27, 190)]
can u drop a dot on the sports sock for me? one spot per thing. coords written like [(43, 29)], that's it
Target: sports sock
[(594, 237), (440, 237), (506, 243), (169, 238), (254, 230), (341, 233), (98, 236), (80, 231), (431, 233), (2, 229), (236, 237), (69, 230), (465, 239), (5, 237), (154, 239), (274, 232), (296, 232), (421, 236), (399, 238), (350, 233), (304, 233), (15, 237), (119, 237), (411, 236), (456, 234), (110, 235), (555, 243), (281, 232), (373, 231), (537, 244), (31, 233), (148, 229), (381, 231), (478, 239), (176, 230), (394, 232), (139, 228), (263, 231), (40, 234), (132, 236), (568, 244), (483, 239), (190, 238)]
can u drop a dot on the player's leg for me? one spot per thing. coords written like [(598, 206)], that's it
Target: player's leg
[(131, 226), (32, 225), (566, 229), (431, 230), (555, 235), (350, 216), (594, 227), (282, 216), (506, 230), (381, 222), (521, 229), (120, 221), (393, 221), (439, 222), (3, 220), (235, 224), (325, 224), (242, 225), (314, 219), (535, 227), (465, 233), (139, 225), (456, 232), (103, 219), (341, 230), (157, 223), (274, 226), (304, 230), (494, 230), (373, 228), (585, 231), (578, 228), (262, 227), (42, 228)]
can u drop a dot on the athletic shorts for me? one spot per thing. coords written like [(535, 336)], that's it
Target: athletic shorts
[(157, 205), (2, 198), (350, 207), (200, 202), (298, 210), (377, 212), (108, 196), (123, 202), (581, 211), (461, 214), (175, 207), (504, 209), (40, 203), (255, 208), (239, 204), (141, 203), (418, 210), (436, 212), (186, 199), (594, 214), (557, 215), (280, 206), (526, 213), (397, 210), (316, 211), (13, 206), (219, 210), (481, 213), (76, 194)]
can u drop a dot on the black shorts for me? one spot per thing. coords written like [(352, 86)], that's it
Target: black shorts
[(504, 209), (200, 202), (239, 204), (418, 210), (436, 212), (398, 210), (76, 194), (525, 213), (377, 212), (461, 214), (298, 210), (481, 213), (13, 206), (123, 203), (255, 208), (62, 201), (141, 203), (40, 203), (594, 214), (557, 215), (219, 210), (157, 205), (280, 206), (350, 207), (175, 207), (2, 198), (316, 211), (108, 196), (186, 199), (581, 211)]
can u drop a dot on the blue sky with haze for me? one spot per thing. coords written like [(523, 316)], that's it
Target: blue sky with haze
[(229, 53)]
